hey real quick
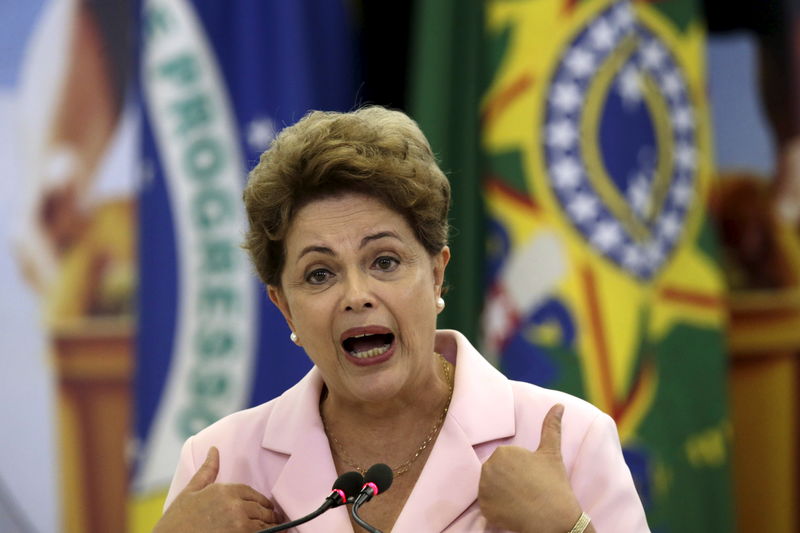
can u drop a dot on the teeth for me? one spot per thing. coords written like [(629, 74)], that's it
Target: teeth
[(364, 335), (371, 353)]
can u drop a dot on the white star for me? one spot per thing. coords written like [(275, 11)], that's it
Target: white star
[(652, 55), (632, 258), (629, 86), (682, 119), (583, 208), (670, 226), (580, 62), (602, 35), (682, 193), (565, 97), (566, 173), (606, 235), (623, 17), (639, 195), (672, 84), (561, 134), (685, 156), (260, 132)]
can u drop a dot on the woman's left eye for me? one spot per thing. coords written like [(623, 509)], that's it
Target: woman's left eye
[(386, 263)]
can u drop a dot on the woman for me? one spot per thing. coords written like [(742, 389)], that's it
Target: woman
[(348, 230)]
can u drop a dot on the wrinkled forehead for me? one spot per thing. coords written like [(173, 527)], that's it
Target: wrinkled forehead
[(344, 220)]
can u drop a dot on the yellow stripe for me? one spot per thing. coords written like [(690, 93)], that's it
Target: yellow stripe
[(144, 510)]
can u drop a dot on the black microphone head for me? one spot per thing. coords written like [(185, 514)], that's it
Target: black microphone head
[(350, 483), (381, 475)]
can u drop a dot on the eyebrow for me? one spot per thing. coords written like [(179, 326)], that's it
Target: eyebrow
[(366, 240), (380, 235)]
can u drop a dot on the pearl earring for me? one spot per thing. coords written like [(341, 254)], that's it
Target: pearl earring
[(293, 336), (440, 303)]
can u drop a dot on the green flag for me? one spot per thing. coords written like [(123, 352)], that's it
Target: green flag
[(445, 87)]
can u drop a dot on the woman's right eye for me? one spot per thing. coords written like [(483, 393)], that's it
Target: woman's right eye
[(318, 276)]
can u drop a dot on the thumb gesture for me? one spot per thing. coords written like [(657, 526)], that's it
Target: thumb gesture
[(523, 490), (550, 441), (206, 474), (207, 506)]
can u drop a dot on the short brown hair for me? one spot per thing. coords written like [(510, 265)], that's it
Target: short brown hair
[(372, 151)]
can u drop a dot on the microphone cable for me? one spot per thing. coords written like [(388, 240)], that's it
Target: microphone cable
[(344, 488), (377, 479)]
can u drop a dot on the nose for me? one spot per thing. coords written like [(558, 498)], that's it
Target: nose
[(357, 295)]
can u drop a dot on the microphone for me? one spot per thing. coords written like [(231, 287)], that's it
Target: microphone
[(377, 479), (344, 488)]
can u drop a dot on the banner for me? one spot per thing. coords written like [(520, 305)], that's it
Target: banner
[(70, 230), (604, 280), (218, 80)]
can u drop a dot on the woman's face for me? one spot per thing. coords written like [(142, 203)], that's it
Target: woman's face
[(360, 292)]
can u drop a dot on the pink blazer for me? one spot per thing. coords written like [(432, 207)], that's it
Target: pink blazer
[(280, 449)]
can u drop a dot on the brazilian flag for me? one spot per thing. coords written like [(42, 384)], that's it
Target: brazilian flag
[(601, 276)]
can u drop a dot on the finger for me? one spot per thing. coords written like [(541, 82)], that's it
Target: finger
[(206, 474), (551, 430), (256, 511), (246, 493)]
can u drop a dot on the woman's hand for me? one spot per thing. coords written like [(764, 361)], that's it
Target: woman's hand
[(527, 491), (205, 506)]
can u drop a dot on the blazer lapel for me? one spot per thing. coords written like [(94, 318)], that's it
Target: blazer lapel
[(305, 482), (482, 410), (295, 431), (447, 485)]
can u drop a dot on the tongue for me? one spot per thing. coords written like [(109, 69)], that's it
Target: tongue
[(363, 344)]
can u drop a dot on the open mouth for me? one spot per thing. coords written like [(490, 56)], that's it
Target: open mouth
[(368, 345)]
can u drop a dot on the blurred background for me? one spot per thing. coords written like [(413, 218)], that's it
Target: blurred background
[(626, 181)]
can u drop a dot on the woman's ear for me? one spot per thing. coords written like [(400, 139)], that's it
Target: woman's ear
[(440, 261), (277, 297)]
